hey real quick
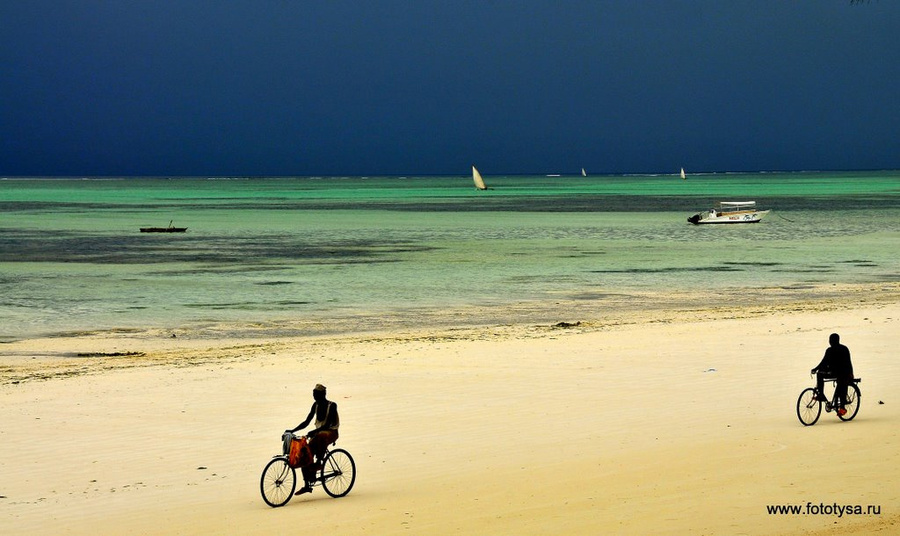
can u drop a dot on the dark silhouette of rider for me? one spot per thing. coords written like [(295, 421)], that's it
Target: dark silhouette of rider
[(835, 365), (325, 433)]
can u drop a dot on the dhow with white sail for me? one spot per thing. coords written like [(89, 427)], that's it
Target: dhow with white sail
[(479, 182)]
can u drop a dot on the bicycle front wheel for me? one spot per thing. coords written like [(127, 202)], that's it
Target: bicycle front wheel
[(278, 482), (808, 408), (338, 473), (851, 404)]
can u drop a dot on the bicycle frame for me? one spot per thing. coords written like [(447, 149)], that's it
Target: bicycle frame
[(327, 469), (832, 402)]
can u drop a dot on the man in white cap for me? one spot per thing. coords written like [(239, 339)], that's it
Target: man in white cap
[(325, 432)]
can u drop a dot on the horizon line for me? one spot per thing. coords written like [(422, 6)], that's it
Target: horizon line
[(554, 174)]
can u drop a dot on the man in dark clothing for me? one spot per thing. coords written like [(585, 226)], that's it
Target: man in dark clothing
[(835, 365)]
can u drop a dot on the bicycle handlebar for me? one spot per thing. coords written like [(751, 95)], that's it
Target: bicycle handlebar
[(294, 435), (854, 380)]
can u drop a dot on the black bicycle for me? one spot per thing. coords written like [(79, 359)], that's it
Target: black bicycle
[(809, 407), (336, 473)]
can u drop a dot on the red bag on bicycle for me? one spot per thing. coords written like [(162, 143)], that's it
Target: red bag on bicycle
[(300, 454)]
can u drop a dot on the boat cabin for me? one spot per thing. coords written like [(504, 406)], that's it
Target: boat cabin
[(731, 207)]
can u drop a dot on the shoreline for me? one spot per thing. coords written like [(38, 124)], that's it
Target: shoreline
[(590, 305), (76, 353)]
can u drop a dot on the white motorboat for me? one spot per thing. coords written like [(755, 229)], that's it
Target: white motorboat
[(730, 212)]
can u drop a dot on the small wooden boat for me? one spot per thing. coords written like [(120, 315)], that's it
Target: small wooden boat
[(168, 229), (730, 212)]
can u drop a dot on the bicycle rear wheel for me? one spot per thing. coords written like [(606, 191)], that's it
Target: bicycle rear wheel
[(851, 404), (338, 473), (278, 482), (808, 408)]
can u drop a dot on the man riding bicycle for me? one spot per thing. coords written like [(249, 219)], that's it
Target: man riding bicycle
[(835, 365), (325, 432)]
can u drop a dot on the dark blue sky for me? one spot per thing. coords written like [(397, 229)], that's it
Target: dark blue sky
[(429, 87)]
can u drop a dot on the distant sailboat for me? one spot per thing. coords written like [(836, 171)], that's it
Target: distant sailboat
[(479, 182), (583, 172), (682, 174)]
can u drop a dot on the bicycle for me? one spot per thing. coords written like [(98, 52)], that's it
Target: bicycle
[(809, 408), (336, 473)]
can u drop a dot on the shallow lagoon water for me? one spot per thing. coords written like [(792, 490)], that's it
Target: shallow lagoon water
[(351, 252)]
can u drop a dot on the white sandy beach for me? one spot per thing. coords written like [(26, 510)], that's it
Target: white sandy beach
[(656, 425)]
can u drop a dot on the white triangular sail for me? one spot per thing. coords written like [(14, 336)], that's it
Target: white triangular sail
[(583, 172), (682, 174), (479, 182)]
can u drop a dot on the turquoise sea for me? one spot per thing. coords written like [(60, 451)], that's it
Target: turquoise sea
[(303, 255)]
